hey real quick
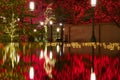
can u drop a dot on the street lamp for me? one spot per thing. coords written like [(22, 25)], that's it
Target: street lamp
[(50, 54), (58, 30), (61, 26), (93, 39), (31, 71), (42, 34), (93, 4), (51, 23), (32, 6), (41, 23)]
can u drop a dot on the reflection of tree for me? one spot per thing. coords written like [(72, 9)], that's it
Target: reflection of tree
[(49, 63), (11, 68), (11, 53), (11, 75)]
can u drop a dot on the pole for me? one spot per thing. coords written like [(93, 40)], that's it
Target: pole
[(62, 38), (93, 39), (62, 33), (51, 33), (99, 38), (30, 41), (69, 34)]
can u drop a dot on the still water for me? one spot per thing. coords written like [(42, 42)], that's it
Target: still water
[(38, 61)]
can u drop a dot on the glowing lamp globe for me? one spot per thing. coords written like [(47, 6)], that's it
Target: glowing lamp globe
[(32, 5), (93, 3)]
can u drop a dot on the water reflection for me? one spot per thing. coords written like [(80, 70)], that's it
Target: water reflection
[(53, 65), (10, 51), (49, 61)]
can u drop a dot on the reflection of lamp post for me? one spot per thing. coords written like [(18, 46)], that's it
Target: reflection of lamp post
[(50, 54), (31, 71), (93, 39)]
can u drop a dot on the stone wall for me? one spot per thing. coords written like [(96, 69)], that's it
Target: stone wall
[(105, 32)]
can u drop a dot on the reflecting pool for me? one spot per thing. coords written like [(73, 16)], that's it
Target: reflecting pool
[(39, 61)]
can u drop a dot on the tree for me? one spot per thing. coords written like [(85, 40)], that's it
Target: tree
[(14, 19)]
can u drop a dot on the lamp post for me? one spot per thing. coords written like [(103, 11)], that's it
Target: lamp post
[(51, 23), (50, 54), (58, 30), (32, 5), (61, 25), (43, 34), (93, 39), (31, 71), (42, 24)]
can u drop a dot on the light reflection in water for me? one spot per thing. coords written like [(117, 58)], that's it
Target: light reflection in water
[(41, 54), (49, 63), (10, 52), (58, 48), (50, 55), (31, 72)]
